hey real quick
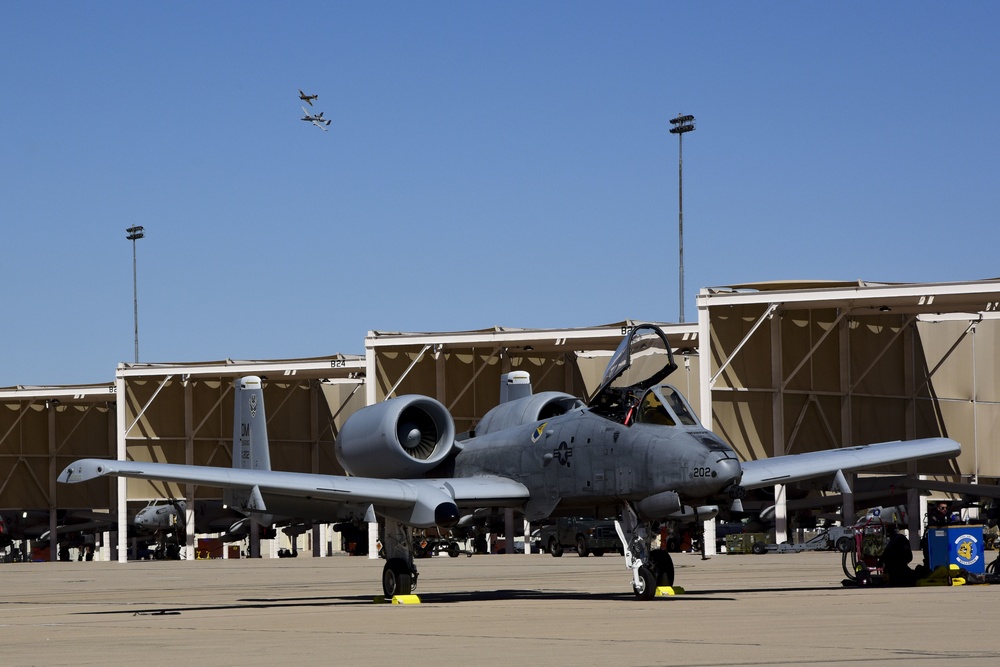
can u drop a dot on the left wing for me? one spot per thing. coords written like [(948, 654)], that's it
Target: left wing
[(420, 503), (795, 467)]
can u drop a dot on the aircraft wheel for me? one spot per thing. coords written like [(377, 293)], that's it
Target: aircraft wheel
[(663, 567), (581, 547), (844, 544), (555, 548), (396, 578), (646, 590)]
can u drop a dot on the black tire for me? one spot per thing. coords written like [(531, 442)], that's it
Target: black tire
[(582, 550), (662, 566), (647, 589), (396, 578), (555, 548), (453, 549), (598, 552), (844, 544), (759, 548)]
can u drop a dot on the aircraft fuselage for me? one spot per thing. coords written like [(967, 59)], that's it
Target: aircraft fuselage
[(582, 459)]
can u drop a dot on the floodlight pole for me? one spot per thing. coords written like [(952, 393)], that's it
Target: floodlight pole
[(681, 124), (135, 233)]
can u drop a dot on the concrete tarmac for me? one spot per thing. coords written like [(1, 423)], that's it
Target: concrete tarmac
[(774, 609)]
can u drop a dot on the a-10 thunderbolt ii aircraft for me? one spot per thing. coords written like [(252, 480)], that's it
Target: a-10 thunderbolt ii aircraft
[(636, 452), (316, 120)]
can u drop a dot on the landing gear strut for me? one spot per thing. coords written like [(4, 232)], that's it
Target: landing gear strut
[(399, 576), (650, 568)]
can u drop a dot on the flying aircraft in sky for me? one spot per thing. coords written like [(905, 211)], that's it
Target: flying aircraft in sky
[(316, 120), (635, 452), (307, 98)]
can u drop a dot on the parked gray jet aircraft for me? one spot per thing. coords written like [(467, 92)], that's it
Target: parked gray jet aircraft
[(316, 120), (34, 526), (210, 516), (307, 98), (636, 452)]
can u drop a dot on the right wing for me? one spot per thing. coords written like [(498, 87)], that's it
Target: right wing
[(795, 467), (416, 502)]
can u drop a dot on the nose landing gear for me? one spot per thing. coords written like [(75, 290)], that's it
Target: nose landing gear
[(651, 569)]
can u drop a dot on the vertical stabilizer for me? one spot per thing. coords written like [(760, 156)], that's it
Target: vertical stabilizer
[(250, 448)]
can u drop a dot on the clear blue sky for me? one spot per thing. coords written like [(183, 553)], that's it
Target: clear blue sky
[(489, 163)]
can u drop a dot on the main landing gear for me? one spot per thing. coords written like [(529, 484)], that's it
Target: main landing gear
[(650, 568), (399, 576)]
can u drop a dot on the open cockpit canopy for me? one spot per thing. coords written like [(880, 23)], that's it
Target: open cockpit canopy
[(642, 360)]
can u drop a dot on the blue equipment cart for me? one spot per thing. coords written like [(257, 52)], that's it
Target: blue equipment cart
[(956, 545)]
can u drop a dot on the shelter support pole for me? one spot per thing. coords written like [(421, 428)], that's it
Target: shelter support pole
[(914, 517), (508, 530), (708, 548), (121, 488), (254, 539), (778, 446), (189, 490), (373, 540), (780, 514), (314, 398), (53, 523)]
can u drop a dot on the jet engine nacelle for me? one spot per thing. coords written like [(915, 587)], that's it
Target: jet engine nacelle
[(527, 410), (401, 437), (659, 506)]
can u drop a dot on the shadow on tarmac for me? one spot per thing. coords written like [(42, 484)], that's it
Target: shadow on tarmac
[(505, 595)]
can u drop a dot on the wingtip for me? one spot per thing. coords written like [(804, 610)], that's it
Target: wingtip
[(84, 470)]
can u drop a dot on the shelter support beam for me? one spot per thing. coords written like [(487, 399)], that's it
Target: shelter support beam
[(763, 318)]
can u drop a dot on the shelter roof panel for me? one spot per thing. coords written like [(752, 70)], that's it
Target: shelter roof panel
[(975, 297), (336, 366), (88, 393), (605, 336)]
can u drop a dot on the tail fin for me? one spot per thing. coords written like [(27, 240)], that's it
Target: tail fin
[(250, 448)]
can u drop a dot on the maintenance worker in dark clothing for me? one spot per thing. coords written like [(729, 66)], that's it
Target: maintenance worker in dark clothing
[(938, 515), (895, 559)]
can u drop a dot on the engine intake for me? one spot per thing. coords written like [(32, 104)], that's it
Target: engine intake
[(401, 437)]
